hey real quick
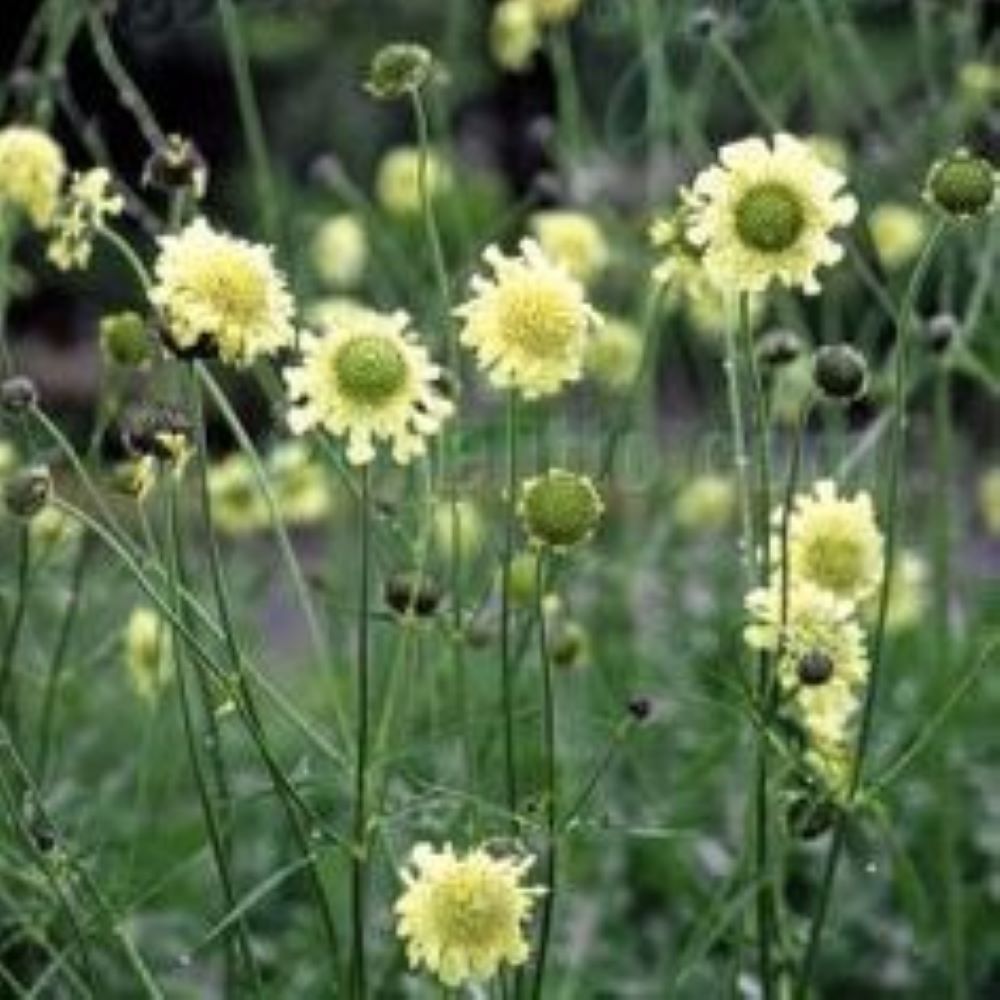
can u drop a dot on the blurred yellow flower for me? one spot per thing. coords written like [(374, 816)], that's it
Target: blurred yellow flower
[(463, 916), (556, 11), (32, 167), (706, 504), (898, 233), (238, 506), (397, 180), (572, 239), (514, 34), (614, 355), (147, 652), (989, 501), (908, 594), (339, 251)]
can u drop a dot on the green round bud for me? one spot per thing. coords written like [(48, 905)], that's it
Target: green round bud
[(399, 69), (840, 372), (18, 394), (962, 185), (777, 348), (560, 509), (27, 492), (570, 646), (412, 594), (125, 340)]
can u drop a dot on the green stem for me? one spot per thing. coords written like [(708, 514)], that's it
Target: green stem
[(8, 668), (506, 661), (551, 791), (359, 859), (250, 118), (904, 329)]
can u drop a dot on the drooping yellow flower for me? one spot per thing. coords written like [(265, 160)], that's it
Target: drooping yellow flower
[(147, 652), (614, 355), (572, 239), (462, 916), (32, 167), (220, 293), (515, 34), (989, 501), (238, 505), (90, 200), (397, 180), (823, 663), (556, 11), (898, 233), (528, 323), (766, 213), (705, 504), (366, 380), (834, 542), (340, 251)]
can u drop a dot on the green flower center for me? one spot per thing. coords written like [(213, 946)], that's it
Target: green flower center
[(561, 509), (370, 369), (769, 218)]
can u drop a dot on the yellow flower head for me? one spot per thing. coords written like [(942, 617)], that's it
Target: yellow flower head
[(908, 594), (515, 35), (238, 506), (989, 501), (299, 483), (463, 916), (573, 240), (614, 355), (397, 180), (898, 233), (556, 11), (528, 323), (147, 652), (90, 200), (834, 542), (51, 529), (765, 213), (32, 167), (368, 379), (340, 251), (222, 293), (823, 659), (706, 504)]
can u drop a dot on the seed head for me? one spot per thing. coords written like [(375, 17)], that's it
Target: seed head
[(26, 493), (399, 69), (413, 594), (815, 668), (18, 394), (841, 372)]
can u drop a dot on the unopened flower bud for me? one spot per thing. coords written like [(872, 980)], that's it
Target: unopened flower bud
[(159, 431), (640, 708), (413, 594), (777, 348), (570, 646), (841, 372), (125, 339), (704, 22), (815, 668), (175, 166), (27, 492), (399, 69), (18, 394), (941, 331), (809, 817), (962, 185), (560, 509)]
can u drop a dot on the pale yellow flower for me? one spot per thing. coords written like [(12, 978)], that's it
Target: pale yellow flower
[(32, 167), (367, 380), (833, 542), (908, 594), (614, 355), (705, 504), (87, 204), (515, 34), (766, 214), (397, 180), (339, 251), (528, 322), (238, 505), (898, 233), (556, 11), (299, 482), (217, 292), (463, 916), (572, 239), (147, 652)]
